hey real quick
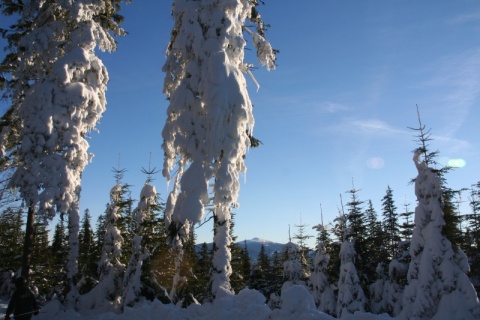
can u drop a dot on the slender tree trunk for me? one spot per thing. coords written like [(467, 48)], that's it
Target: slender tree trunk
[(73, 244), (28, 242)]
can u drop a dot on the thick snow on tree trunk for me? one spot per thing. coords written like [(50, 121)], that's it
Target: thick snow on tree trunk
[(209, 116), (438, 287), (59, 110)]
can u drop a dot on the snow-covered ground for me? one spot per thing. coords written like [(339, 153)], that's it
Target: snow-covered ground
[(247, 304)]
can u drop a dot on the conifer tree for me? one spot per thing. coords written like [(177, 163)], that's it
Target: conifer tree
[(210, 105), (40, 257), (11, 237), (303, 255), (202, 268), (239, 277), (87, 260), (133, 275), (473, 220), (110, 267), (374, 243), (357, 235), (58, 253), (350, 297), (259, 279), (437, 272), (277, 278), (57, 85), (390, 224), (293, 271), (322, 291)]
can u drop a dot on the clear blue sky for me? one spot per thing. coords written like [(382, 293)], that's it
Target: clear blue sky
[(336, 109)]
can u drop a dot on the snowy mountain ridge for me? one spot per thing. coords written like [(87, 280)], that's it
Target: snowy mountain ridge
[(253, 246)]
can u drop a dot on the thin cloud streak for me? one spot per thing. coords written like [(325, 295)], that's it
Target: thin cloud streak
[(464, 18), (458, 77)]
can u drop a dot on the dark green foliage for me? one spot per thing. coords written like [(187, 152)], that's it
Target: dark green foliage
[(260, 278), (358, 236), (202, 271), (87, 256), (11, 239), (374, 243), (240, 267), (390, 224), (472, 237), (42, 273)]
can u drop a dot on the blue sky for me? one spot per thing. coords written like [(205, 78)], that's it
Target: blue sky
[(336, 110)]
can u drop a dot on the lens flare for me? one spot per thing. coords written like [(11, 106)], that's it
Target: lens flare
[(375, 163), (457, 163)]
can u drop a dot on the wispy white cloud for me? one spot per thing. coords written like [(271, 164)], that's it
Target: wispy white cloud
[(457, 81), (464, 18), (331, 107), (372, 126)]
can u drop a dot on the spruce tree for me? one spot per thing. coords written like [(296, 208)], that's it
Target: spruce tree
[(473, 220), (390, 224), (58, 256), (110, 266), (202, 268), (41, 270), (437, 272), (207, 43), (350, 297), (303, 256), (374, 243), (322, 291), (358, 236), (132, 280), (260, 277), (87, 259), (11, 238)]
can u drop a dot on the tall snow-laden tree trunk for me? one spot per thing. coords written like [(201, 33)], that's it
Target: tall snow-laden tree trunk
[(437, 282), (58, 89), (206, 135)]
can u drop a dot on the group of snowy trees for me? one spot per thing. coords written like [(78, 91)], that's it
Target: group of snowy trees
[(56, 84), (126, 258)]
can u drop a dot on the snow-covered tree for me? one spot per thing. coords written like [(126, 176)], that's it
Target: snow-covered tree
[(395, 285), (108, 292), (293, 271), (378, 290), (437, 282), (132, 279), (357, 235), (322, 291), (58, 95), (209, 119), (350, 297)]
